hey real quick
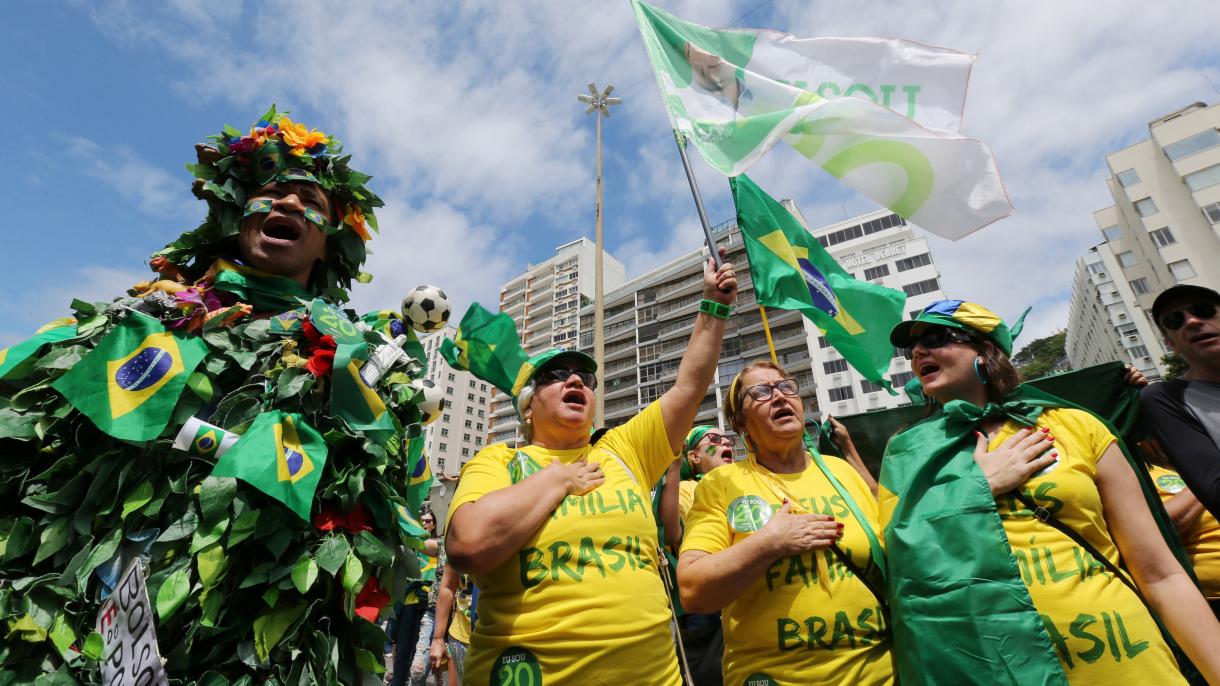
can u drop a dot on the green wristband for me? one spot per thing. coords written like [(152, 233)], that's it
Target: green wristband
[(715, 309)]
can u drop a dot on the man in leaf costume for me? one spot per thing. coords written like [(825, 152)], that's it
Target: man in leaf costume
[(227, 427)]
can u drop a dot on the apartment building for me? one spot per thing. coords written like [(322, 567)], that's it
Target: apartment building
[(461, 431)]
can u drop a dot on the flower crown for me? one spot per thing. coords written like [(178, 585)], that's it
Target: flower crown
[(276, 148)]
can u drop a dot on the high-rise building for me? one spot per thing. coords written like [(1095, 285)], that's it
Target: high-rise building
[(1161, 229), (879, 247), (545, 303), (1103, 325), (461, 431)]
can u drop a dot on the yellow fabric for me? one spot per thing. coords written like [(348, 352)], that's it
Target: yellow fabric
[(1202, 539), (583, 595), (1101, 630), (686, 497), (459, 626), (806, 620), (977, 317)]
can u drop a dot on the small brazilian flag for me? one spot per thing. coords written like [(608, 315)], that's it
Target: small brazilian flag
[(487, 345), (281, 456), (792, 271), (351, 398), (128, 386), (419, 478), (18, 361), (409, 524)]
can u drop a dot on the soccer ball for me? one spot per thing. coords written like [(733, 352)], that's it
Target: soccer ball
[(427, 308), (433, 402)]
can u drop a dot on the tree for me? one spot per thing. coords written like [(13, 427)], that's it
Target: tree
[(1042, 356), (1174, 365)]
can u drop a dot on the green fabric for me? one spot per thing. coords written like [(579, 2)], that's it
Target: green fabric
[(419, 476), (487, 346), (131, 381), (264, 292), (792, 271), (875, 552), (281, 456), (18, 360), (350, 397), (941, 543)]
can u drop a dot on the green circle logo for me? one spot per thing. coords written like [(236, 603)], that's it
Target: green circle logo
[(1170, 483), (516, 667), (748, 513), (759, 679)]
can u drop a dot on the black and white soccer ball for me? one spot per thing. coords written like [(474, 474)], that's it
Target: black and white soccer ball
[(427, 308), (433, 402)]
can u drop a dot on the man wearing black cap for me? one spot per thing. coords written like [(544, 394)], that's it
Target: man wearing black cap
[(1184, 413)]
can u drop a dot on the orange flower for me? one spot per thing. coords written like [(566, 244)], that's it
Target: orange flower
[(355, 219), (299, 137)]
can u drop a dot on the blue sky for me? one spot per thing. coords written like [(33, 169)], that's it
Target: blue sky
[(466, 115)]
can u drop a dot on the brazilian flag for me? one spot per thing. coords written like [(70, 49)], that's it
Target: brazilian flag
[(351, 398), (419, 478), (281, 456), (129, 384), (488, 346), (792, 271), (18, 361)]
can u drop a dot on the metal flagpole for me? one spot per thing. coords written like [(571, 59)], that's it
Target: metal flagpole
[(680, 139)]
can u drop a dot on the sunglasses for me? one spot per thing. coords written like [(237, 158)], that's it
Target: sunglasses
[(1173, 320), (937, 337), (559, 375), (721, 438), (763, 391)]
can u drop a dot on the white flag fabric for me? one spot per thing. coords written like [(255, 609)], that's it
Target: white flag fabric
[(880, 114)]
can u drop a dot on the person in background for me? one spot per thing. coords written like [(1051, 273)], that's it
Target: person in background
[(451, 634), (413, 630)]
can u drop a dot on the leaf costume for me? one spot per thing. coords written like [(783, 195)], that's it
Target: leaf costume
[(221, 425)]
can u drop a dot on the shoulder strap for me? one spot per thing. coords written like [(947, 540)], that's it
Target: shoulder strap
[(854, 568)]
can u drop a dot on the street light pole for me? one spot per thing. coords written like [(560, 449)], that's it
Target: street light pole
[(599, 106)]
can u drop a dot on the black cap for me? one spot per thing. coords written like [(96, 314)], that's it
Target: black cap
[(1180, 291)]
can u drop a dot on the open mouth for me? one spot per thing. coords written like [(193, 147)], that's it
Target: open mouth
[(781, 413), (1203, 337), (281, 229), (574, 397), (927, 369), (726, 455)]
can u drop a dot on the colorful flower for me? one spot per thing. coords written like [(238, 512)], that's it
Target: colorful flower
[(299, 137), (355, 219), (370, 600)]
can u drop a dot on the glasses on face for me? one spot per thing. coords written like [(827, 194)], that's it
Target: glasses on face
[(763, 391), (1174, 319), (723, 439), (560, 375), (428, 522), (937, 337)]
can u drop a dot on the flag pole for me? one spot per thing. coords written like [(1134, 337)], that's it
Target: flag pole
[(767, 330), (680, 139)]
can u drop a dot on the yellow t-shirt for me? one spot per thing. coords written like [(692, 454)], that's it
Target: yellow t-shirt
[(1202, 539), (1100, 629), (459, 626), (807, 619), (581, 602), (686, 497)]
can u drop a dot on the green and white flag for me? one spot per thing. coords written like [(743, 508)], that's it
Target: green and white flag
[(879, 114)]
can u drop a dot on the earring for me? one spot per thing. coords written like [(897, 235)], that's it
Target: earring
[(529, 420), (980, 371)]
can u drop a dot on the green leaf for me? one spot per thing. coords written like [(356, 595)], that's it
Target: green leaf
[(181, 528), (353, 574), (258, 575), (101, 552), (93, 646), (208, 534), (62, 635), (232, 132), (137, 498), (269, 628), (19, 540), (271, 595), (368, 662), (173, 593), (53, 538), (373, 551), (211, 563), (304, 573), (201, 385), (215, 494), (25, 628), (293, 382), (20, 427), (243, 526), (332, 553)]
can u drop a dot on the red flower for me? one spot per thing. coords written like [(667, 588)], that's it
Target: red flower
[(371, 599), (321, 350), (330, 518)]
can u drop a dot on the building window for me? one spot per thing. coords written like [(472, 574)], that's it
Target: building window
[(822, 342), (1138, 352), (1128, 259), (1189, 146), (1127, 330), (1204, 178), (1112, 233), (469, 410), (467, 423), (444, 447), (478, 441), (466, 437), (440, 463), (867, 386), (834, 366), (1128, 178), (452, 376), (908, 263), (1096, 267), (921, 287), (1146, 207), (901, 378), (470, 397), (448, 390), (1181, 270), (444, 432), (480, 413), (482, 388), (1140, 286), (478, 426), (465, 452), (472, 383), (445, 418), (1162, 237), (841, 393), (1212, 212), (872, 273)]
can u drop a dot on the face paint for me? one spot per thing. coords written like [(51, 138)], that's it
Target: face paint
[(257, 206), (710, 450), (315, 217)]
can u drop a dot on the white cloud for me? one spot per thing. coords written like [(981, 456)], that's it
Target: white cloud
[(91, 283), (154, 190)]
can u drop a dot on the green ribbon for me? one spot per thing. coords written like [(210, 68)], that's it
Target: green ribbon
[(958, 412), (265, 292), (876, 553)]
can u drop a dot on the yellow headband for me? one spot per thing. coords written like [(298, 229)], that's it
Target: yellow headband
[(730, 401)]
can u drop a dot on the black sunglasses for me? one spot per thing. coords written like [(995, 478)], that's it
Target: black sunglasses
[(1174, 319), (561, 374), (937, 337), (763, 391), (721, 438)]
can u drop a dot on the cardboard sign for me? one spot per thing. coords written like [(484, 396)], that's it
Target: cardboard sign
[(130, 656)]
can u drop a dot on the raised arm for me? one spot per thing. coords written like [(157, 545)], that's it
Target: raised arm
[(842, 440), (1154, 568), (484, 534), (680, 403), (668, 510)]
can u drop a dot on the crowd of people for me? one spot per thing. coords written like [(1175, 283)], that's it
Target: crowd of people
[(1008, 538)]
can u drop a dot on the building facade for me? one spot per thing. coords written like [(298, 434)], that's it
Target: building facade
[(461, 431), (545, 303), (1161, 230), (1105, 323)]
